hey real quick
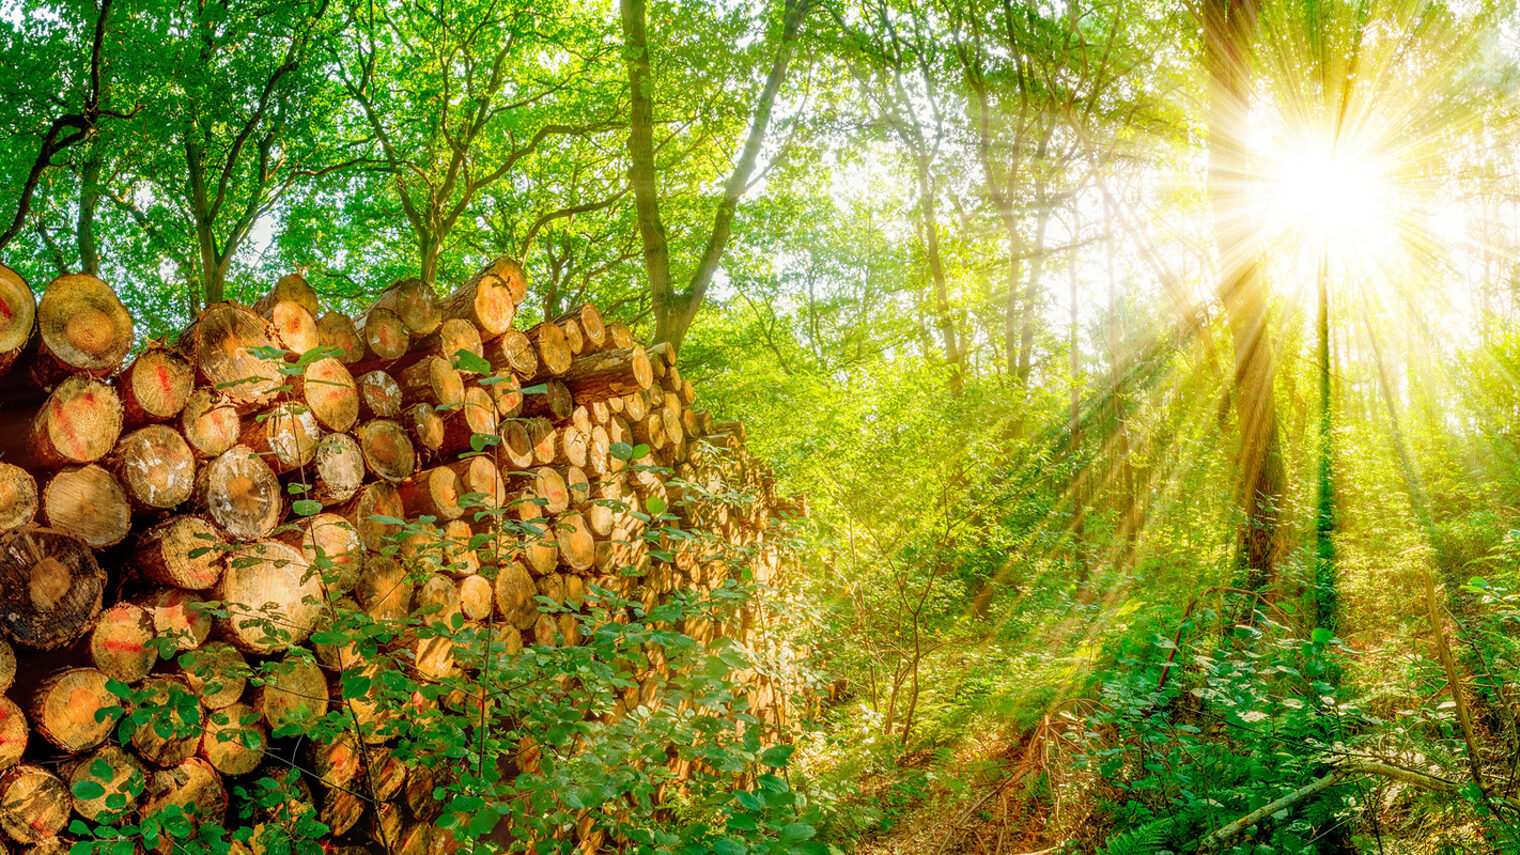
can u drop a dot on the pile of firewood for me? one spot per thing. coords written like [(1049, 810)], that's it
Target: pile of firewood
[(218, 466)]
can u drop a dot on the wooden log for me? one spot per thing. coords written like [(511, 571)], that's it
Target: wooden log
[(336, 762), (415, 303), (336, 330), (155, 387), (210, 423), (332, 546), (385, 589), (293, 695), (480, 479), (489, 299), (241, 493), (506, 391), (571, 449), (185, 552), (592, 328), (552, 349), (385, 337), (454, 336), (426, 427), (460, 553), (572, 330), (64, 707), (13, 733), (635, 407), (290, 288), (430, 380), (234, 740), (194, 788), (515, 591), (384, 824), (607, 374), (422, 782), (170, 732), (18, 316), (434, 492), (18, 497), (619, 335), (82, 327), (227, 343), (177, 614), (388, 452), (476, 597), (378, 499), (155, 467), (549, 494), (285, 436), (327, 388), (384, 774), (295, 329), (436, 601), (475, 415), (337, 470), (416, 839), (270, 595), (577, 486), (379, 396), (540, 550), (545, 441), (50, 587), (117, 772), (512, 353), (341, 811), (78, 423), (577, 547), (216, 672), (516, 448), (34, 804)]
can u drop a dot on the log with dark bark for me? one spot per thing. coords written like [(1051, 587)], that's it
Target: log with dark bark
[(474, 416), (78, 423), (512, 353), (50, 587), (608, 374)]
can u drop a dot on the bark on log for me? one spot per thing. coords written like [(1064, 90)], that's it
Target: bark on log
[(210, 423), (434, 492), (82, 327), (241, 493), (337, 331), (516, 447), (476, 414), (608, 374), (155, 386), (506, 391), (619, 335), (554, 402), (50, 587), (373, 500), (121, 644), (573, 337), (426, 427), (78, 423), (512, 353), (454, 336), (332, 546), (173, 710), (293, 695), (216, 672), (156, 468), (430, 380), (593, 329), (225, 343), (385, 338), (489, 299), (552, 349)]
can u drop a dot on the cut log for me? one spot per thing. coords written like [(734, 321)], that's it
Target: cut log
[(433, 492), (577, 548), (291, 288), (82, 327), (552, 349), (210, 423), (379, 396), (271, 597), (554, 402), (293, 695), (155, 386), (436, 601), (512, 353), (385, 589), (635, 407), (241, 493), (121, 644), (550, 494), (454, 336), (506, 391), (193, 787), (385, 337), (286, 436), (489, 299), (374, 500), (171, 731), (235, 739), (185, 552), (178, 614), (337, 331), (117, 772), (295, 329), (479, 478), (592, 328), (541, 551), (216, 672), (18, 315), (388, 453), (64, 709), (516, 446), (155, 467), (50, 587), (476, 597), (34, 804), (577, 486), (336, 762), (599, 451), (415, 303), (18, 497), (337, 470), (328, 389), (79, 423), (422, 783), (430, 380), (545, 441), (341, 811), (475, 415), (662, 356), (384, 825), (426, 427), (608, 374), (570, 450), (333, 547), (384, 774), (461, 557), (229, 346), (572, 330), (619, 335), (13, 733)]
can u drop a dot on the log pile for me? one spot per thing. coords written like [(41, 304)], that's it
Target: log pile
[(219, 465)]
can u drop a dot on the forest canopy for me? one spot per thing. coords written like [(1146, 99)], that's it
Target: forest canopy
[(1149, 368)]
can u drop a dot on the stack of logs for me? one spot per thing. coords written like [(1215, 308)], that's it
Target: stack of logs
[(218, 465)]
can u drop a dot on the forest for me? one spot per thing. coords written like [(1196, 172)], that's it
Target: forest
[(841, 427)]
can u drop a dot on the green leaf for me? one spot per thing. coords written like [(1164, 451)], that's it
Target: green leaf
[(88, 789), (1320, 635), (306, 507), (656, 505), (621, 451), (777, 755), (464, 360), (797, 831)]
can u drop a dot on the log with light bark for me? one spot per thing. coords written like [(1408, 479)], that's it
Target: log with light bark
[(430, 380), (18, 497), (385, 337), (82, 327), (171, 732), (489, 299), (121, 643), (415, 303), (606, 374), (231, 349), (210, 423), (64, 709), (512, 353), (18, 316), (216, 672), (329, 391), (117, 772), (337, 331), (34, 804), (286, 436), (185, 552), (271, 595), (155, 387), (155, 467), (337, 470), (552, 349), (241, 493), (332, 546), (593, 329)]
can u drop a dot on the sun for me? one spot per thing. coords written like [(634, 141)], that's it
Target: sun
[(1330, 200)]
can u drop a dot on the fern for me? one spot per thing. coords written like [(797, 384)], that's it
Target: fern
[(1140, 840)]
